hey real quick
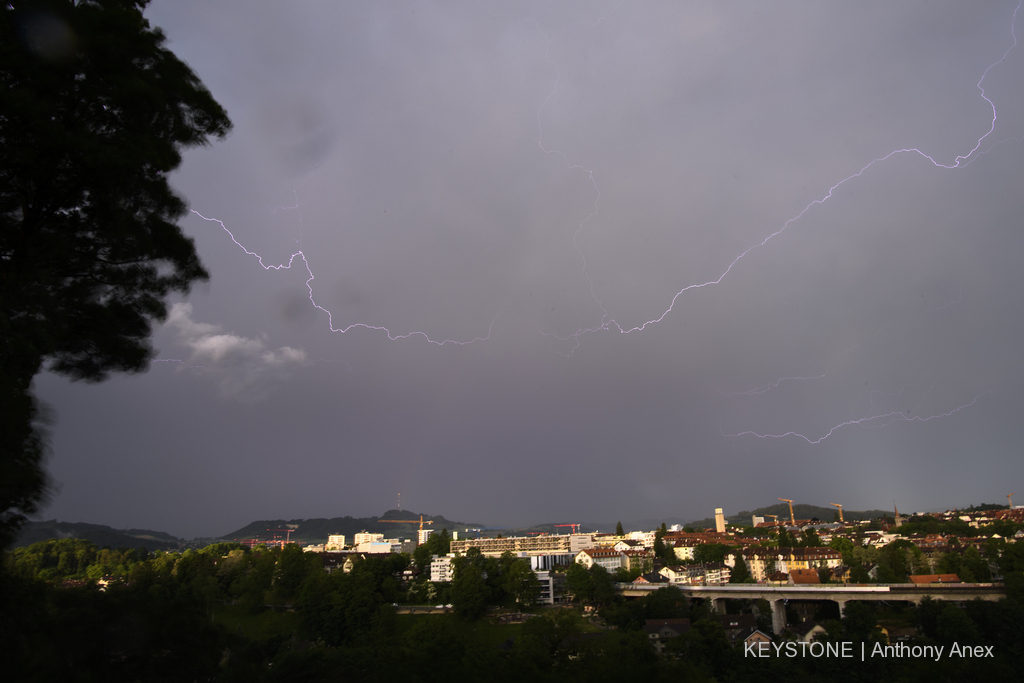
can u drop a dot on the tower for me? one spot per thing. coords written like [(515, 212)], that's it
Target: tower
[(719, 521)]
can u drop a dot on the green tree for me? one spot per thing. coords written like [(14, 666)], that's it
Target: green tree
[(521, 583), (664, 551), (618, 529), (785, 539), (603, 583), (94, 113), (579, 583), (811, 539), (842, 544), (740, 572), (860, 621), (710, 552), (469, 593)]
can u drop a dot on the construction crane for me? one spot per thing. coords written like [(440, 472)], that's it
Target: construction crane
[(775, 519), (287, 537), (1009, 499), (840, 510), (792, 519), (575, 527), (419, 521)]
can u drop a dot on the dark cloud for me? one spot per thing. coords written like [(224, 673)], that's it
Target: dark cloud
[(535, 171)]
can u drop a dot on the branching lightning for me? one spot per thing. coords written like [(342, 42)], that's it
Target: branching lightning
[(608, 323)]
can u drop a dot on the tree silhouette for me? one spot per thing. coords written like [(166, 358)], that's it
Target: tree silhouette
[(94, 113)]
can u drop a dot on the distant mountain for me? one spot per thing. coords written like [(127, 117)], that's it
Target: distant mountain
[(101, 535), (317, 530), (800, 511)]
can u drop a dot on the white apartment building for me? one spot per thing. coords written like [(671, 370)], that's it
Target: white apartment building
[(391, 545), (366, 537), (441, 568), (335, 542), (609, 558), (709, 574), (544, 544), (644, 537), (552, 588)]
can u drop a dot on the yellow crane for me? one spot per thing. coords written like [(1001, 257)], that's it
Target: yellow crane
[(840, 510), (1009, 499), (792, 519), (420, 521), (775, 519)]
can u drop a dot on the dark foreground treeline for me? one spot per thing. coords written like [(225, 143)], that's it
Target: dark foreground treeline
[(162, 618)]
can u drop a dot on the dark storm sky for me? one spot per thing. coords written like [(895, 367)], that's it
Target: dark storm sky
[(537, 170)]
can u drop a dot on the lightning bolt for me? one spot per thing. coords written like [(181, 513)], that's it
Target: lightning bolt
[(300, 256), (866, 422), (608, 323)]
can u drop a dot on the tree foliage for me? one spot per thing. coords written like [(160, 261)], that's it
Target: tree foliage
[(94, 113), (740, 572)]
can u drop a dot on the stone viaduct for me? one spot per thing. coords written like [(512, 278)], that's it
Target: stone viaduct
[(839, 593)]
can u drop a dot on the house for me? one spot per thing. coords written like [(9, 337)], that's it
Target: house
[(804, 576), (677, 573), (841, 574), (651, 577), (753, 638), (609, 558), (899, 634), (738, 627), (806, 631), (660, 630), (628, 544), (640, 559)]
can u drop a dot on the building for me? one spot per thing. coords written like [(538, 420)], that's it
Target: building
[(641, 559), (645, 538), (422, 535), (380, 547), (708, 574), (804, 576), (660, 630), (335, 542), (719, 520), (544, 544), (552, 587), (612, 560), (761, 562), (544, 563), (366, 537), (441, 568)]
